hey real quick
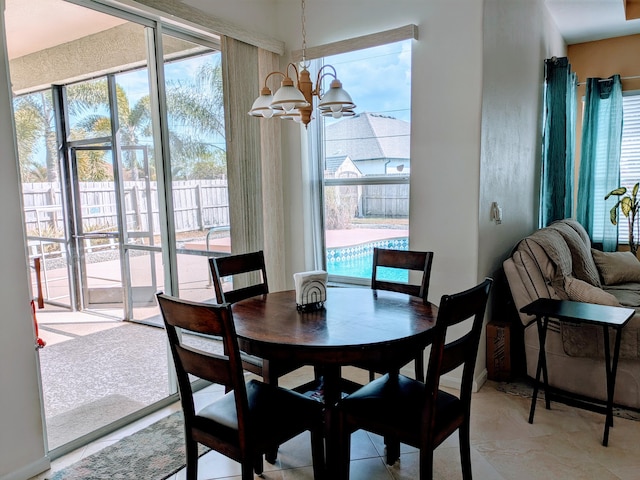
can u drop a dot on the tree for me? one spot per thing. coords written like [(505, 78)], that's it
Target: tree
[(196, 121), (35, 128), (90, 102), (196, 117)]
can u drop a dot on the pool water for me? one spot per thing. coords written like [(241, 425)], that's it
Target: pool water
[(357, 260)]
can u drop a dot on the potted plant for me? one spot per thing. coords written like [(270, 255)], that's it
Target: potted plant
[(628, 203)]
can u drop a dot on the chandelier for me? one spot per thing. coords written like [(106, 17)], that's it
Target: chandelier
[(295, 102)]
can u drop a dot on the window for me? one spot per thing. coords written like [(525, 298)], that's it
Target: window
[(365, 160), (630, 153)]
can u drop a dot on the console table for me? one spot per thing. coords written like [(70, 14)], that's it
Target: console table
[(579, 313)]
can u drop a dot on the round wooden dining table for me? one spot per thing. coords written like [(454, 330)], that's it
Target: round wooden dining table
[(354, 325)]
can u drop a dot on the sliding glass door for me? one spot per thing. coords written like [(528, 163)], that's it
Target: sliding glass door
[(124, 180), (200, 199)]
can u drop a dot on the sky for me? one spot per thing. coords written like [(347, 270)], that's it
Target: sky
[(378, 80)]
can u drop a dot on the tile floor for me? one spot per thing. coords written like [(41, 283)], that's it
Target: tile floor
[(563, 443)]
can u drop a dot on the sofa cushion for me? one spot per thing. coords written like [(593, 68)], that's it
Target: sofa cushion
[(628, 294), (582, 263), (617, 267), (581, 291)]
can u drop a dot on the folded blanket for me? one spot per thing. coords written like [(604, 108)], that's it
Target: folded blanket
[(557, 250), (582, 263)]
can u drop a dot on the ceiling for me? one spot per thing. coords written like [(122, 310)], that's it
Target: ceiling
[(33, 25), (587, 20)]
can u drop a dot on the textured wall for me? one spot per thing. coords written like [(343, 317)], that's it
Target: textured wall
[(518, 36), (112, 50)]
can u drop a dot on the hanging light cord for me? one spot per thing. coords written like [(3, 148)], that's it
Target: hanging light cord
[(304, 36)]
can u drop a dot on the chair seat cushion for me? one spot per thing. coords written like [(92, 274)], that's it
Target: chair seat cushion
[(271, 408), (398, 403)]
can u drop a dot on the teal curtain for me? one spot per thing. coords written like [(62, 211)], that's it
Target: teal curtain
[(600, 159), (556, 196)]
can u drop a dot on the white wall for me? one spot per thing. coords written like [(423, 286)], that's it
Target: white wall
[(21, 433), (518, 36)]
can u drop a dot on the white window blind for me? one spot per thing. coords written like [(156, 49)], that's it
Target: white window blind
[(630, 153)]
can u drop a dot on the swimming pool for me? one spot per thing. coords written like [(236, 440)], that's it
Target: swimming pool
[(356, 260)]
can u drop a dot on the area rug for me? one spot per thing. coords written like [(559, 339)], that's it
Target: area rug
[(524, 388), (153, 453)]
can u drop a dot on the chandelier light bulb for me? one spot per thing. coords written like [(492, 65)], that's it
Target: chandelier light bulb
[(262, 105), (295, 102), (336, 99), (288, 97)]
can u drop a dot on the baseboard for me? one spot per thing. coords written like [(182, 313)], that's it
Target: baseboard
[(41, 465), (453, 381), (480, 380)]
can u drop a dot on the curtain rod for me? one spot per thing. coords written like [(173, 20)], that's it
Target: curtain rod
[(634, 77)]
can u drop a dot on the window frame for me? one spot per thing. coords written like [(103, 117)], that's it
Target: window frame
[(317, 157)]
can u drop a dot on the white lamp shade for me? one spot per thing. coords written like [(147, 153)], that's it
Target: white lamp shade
[(347, 112), (287, 98), (336, 99), (262, 106)]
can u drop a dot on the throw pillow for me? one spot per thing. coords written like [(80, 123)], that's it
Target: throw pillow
[(581, 291), (617, 267)]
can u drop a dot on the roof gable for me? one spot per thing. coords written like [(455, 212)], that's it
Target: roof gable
[(368, 136)]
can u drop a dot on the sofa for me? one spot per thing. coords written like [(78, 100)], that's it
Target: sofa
[(559, 262)]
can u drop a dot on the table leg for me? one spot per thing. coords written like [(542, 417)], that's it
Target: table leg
[(332, 393), (611, 370), (542, 323)]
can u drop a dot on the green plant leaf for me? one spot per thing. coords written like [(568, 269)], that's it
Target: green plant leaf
[(626, 205), (635, 189), (617, 191), (613, 214)]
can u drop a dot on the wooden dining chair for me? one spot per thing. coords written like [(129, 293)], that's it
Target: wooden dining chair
[(249, 264), (401, 260), (251, 419), (416, 413), (252, 266)]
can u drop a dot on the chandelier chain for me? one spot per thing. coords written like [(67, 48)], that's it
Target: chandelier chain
[(304, 35)]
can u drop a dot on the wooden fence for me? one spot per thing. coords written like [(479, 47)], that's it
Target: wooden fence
[(197, 205)]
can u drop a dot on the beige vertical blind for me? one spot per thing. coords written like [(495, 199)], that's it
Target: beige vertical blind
[(272, 185), (244, 171), (254, 164)]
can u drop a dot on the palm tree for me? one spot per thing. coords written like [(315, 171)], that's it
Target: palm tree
[(35, 122), (196, 118), (90, 102)]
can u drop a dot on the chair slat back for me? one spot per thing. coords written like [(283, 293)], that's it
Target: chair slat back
[(206, 319), (455, 309), (472, 307), (245, 263), (402, 259)]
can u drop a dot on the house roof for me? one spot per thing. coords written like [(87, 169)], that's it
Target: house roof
[(368, 136), (332, 163)]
